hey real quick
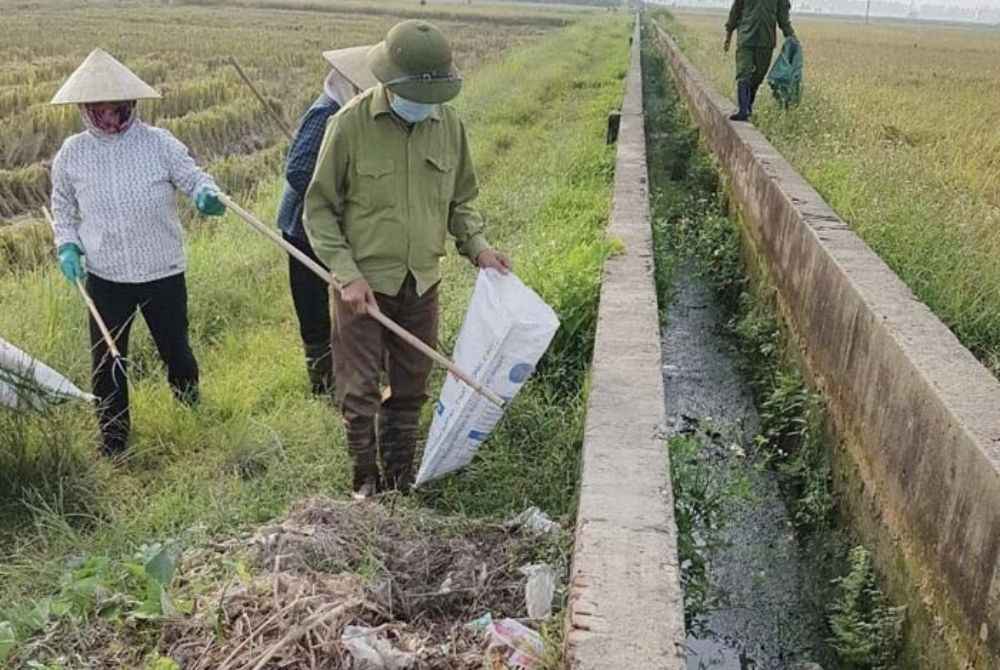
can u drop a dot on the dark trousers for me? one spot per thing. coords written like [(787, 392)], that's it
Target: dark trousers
[(752, 65), (362, 351), (163, 304), (311, 297)]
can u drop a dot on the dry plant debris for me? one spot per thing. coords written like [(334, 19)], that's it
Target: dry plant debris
[(298, 583)]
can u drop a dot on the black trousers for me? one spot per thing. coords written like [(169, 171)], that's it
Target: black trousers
[(311, 296), (163, 304)]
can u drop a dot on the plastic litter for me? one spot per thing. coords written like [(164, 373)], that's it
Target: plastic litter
[(510, 642), (507, 329), (539, 590), (517, 645), (371, 651), (535, 521), (481, 624)]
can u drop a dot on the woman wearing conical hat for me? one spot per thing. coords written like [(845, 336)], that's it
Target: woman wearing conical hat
[(113, 204)]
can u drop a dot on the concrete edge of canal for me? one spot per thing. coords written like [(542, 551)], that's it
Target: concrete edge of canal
[(916, 415), (625, 602)]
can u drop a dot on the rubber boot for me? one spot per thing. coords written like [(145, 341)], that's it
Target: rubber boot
[(319, 363), (743, 93), (362, 451), (397, 441), (753, 99)]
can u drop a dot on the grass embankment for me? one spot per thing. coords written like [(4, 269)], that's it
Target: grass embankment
[(693, 227), (897, 132), (258, 440)]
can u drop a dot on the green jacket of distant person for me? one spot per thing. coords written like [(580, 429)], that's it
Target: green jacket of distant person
[(757, 20)]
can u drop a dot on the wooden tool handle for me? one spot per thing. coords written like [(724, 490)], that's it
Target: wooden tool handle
[(91, 307), (108, 339), (280, 122), (375, 313)]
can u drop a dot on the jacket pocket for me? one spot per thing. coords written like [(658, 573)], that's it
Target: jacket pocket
[(442, 173), (376, 187)]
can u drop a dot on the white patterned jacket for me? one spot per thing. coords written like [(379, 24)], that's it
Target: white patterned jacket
[(113, 196)]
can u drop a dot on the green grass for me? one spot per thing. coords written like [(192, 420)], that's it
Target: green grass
[(258, 440)]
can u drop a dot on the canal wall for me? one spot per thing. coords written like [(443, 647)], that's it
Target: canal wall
[(917, 417), (625, 605)]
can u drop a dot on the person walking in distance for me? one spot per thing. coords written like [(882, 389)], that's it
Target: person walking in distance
[(755, 20), (393, 178), (113, 203), (349, 76)]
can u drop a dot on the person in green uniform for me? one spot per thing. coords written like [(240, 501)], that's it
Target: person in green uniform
[(393, 178), (755, 20)]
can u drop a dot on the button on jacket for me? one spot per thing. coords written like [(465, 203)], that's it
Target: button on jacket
[(385, 195)]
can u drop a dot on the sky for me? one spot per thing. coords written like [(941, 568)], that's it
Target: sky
[(995, 4)]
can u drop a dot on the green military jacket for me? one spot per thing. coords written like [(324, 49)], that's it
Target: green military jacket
[(385, 194), (756, 19)]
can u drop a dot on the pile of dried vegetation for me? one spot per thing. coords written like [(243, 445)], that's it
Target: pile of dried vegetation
[(298, 592)]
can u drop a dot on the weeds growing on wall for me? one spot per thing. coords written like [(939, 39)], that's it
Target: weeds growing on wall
[(865, 629), (692, 225)]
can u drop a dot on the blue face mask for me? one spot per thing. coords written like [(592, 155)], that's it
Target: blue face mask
[(412, 112)]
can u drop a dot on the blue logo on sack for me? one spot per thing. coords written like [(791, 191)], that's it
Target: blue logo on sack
[(439, 407), (520, 372), (477, 435)]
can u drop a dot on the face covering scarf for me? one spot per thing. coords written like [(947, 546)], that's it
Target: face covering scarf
[(339, 88), (109, 117), (409, 111)]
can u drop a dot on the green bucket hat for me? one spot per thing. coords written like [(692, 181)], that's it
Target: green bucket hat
[(415, 63)]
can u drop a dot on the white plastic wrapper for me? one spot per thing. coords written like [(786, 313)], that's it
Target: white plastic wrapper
[(507, 329), (28, 384)]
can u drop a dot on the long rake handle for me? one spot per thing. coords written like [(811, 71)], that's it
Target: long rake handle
[(91, 307), (280, 122), (108, 339), (373, 311)]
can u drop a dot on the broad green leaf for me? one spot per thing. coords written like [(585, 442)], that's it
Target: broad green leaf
[(91, 567), (40, 614), (160, 567), (166, 604), (152, 606), (110, 611), (136, 569), (84, 591), (60, 607), (184, 606)]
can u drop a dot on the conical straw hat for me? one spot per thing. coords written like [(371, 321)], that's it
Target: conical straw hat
[(101, 78), (353, 64)]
